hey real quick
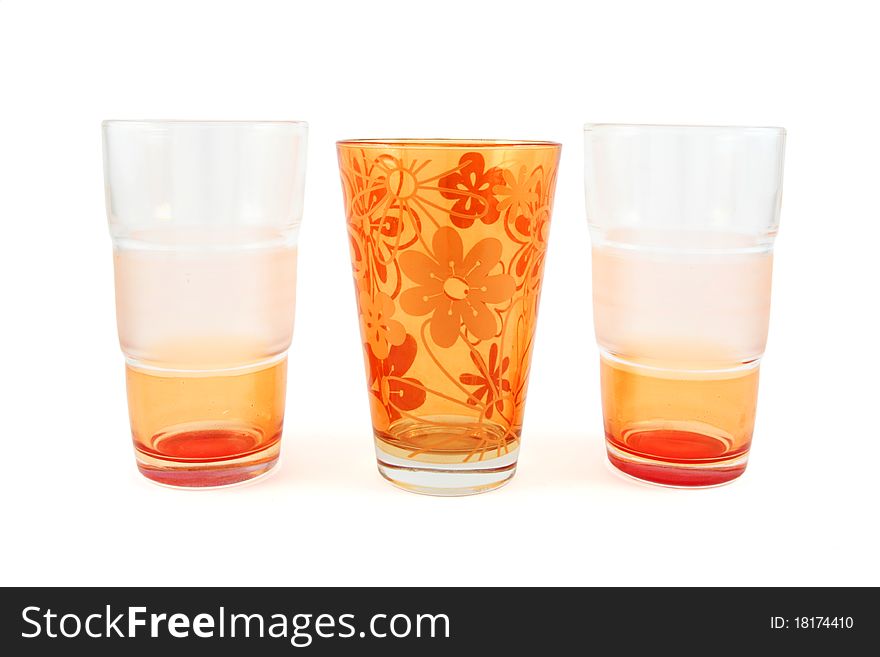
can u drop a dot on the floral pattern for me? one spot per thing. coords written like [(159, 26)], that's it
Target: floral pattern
[(390, 392), (472, 188), (380, 331), (516, 192), (456, 289), (490, 381), (447, 249)]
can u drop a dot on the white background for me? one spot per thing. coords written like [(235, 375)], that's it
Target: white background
[(74, 509)]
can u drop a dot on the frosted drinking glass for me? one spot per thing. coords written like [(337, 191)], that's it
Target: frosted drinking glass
[(204, 218), (682, 221)]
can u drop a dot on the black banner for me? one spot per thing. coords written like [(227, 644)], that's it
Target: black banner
[(340, 621)]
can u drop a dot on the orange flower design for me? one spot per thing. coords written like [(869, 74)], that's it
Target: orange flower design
[(381, 222), (455, 288), (447, 247), (390, 229), (470, 186), (517, 192), (490, 381), (363, 190), (380, 331), (393, 229), (536, 232), (390, 392)]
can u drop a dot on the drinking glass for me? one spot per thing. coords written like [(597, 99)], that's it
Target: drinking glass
[(448, 240), (204, 218), (682, 222)]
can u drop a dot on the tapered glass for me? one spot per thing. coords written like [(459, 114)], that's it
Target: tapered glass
[(448, 240), (682, 221), (204, 218)]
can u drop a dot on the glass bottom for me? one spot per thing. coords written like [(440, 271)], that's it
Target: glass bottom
[(194, 456), (673, 425), (705, 474), (413, 461)]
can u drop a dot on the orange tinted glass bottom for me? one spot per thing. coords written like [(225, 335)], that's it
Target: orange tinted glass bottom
[(678, 427), (206, 428)]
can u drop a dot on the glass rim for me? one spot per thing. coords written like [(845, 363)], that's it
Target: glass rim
[(660, 127), (199, 123), (445, 142)]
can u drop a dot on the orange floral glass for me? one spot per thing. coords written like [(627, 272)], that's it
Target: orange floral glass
[(447, 247)]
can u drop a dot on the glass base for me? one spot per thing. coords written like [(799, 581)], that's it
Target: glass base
[(678, 475), (205, 473), (447, 479)]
